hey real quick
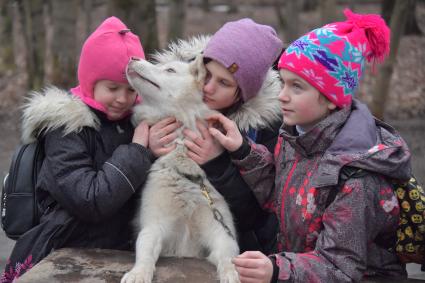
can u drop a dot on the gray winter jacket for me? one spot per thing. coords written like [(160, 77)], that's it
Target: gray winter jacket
[(350, 237)]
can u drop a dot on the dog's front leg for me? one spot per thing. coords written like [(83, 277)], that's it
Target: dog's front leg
[(223, 246), (148, 248)]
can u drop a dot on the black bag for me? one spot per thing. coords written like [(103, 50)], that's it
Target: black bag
[(20, 209)]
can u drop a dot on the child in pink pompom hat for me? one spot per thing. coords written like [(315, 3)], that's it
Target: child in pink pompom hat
[(328, 181)]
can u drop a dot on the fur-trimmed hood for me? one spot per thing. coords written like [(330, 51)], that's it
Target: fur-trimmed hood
[(52, 108), (260, 112)]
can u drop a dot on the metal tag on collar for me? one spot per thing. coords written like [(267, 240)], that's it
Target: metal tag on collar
[(205, 192)]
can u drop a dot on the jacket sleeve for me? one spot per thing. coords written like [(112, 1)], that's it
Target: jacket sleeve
[(225, 177), (361, 210), (258, 171), (90, 194)]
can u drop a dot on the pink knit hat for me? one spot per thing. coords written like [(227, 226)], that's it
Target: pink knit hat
[(104, 56), (332, 58), (248, 50)]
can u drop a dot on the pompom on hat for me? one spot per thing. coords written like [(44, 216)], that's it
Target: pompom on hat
[(104, 56), (332, 58), (248, 50)]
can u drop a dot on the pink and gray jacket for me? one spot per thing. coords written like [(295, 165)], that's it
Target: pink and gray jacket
[(351, 237)]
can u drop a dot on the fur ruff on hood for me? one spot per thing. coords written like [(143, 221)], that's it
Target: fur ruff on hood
[(52, 108), (259, 112)]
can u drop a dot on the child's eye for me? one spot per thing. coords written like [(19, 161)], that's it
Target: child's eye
[(297, 86), (224, 82), (112, 88), (131, 89)]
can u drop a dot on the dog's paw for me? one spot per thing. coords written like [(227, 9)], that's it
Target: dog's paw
[(136, 276), (229, 275)]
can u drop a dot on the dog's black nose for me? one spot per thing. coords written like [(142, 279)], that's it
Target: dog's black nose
[(135, 58)]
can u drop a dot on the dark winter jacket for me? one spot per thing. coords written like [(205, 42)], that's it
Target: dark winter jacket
[(256, 229), (89, 179), (350, 237)]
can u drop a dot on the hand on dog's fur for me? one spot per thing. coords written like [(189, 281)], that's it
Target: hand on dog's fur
[(204, 148), (229, 137), (162, 134), (141, 134)]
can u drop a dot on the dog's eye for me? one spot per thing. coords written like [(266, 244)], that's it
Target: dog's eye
[(170, 70)]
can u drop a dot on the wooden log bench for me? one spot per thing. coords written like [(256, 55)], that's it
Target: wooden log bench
[(95, 265)]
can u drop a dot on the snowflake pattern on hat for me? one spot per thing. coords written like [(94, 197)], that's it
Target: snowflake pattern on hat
[(332, 58)]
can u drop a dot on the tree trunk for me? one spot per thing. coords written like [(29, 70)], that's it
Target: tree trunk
[(35, 33), (205, 5), (309, 5), (280, 18), (6, 48), (387, 8), (140, 17), (412, 24), (19, 40), (292, 11), (48, 43), (327, 11), (176, 19), (64, 45), (398, 23), (233, 7)]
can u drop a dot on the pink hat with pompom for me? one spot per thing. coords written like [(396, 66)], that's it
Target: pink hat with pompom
[(332, 58), (104, 56)]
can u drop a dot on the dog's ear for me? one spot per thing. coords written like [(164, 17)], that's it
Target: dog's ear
[(198, 70)]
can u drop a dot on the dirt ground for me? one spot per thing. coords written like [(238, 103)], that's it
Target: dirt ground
[(405, 106)]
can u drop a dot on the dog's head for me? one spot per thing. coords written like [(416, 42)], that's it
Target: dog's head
[(169, 81)]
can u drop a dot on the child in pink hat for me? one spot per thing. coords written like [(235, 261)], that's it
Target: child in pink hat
[(95, 160), (331, 228)]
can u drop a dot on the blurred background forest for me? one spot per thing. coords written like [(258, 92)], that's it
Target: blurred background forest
[(40, 41)]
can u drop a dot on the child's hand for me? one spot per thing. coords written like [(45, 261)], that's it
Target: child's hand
[(228, 135), (162, 134), (141, 134), (253, 266), (201, 148)]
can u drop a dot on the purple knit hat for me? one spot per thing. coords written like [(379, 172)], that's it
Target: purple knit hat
[(247, 50)]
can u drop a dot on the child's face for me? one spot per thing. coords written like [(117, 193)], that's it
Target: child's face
[(117, 98), (302, 104), (220, 87)]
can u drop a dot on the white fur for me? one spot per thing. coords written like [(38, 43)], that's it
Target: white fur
[(54, 108), (175, 217), (182, 50), (259, 112)]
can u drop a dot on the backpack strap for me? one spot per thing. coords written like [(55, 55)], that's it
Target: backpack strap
[(345, 174)]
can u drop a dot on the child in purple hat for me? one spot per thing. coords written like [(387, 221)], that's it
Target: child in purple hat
[(95, 160), (333, 226), (241, 84)]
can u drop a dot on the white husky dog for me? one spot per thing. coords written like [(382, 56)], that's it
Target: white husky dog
[(181, 213)]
